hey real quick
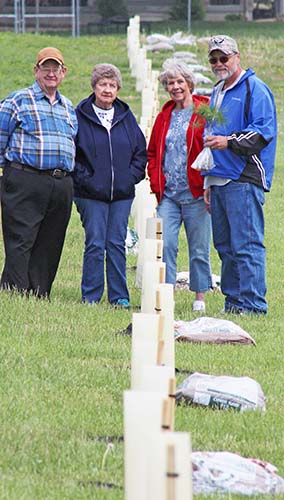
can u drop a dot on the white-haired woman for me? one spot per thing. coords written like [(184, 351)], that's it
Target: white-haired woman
[(110, 160), (176, 140)]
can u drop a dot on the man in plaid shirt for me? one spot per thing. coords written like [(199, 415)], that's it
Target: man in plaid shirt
[(37, 131)]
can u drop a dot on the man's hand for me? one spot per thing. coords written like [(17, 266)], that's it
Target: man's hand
[(206, 198), (216, 141)]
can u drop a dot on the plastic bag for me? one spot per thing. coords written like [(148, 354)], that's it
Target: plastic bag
[(224, 473), (211, 330), (131, 242), (182, 280), (204, 161), (221, 392)]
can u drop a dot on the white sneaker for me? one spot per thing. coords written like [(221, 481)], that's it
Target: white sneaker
[(198, 306)]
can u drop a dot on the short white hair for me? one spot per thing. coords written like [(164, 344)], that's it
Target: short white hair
[(172, 68)]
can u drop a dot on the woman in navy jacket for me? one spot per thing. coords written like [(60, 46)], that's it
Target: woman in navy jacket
[(110, 160)]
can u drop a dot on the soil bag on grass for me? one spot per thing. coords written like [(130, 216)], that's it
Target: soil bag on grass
[(228, 473), (212, 330), (221, 392)]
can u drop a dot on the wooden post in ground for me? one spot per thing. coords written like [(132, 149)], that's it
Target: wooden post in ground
[(169, 467), (153, 274), (165, 306)]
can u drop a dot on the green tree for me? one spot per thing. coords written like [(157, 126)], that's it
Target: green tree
[(110, 8), (179, 11)]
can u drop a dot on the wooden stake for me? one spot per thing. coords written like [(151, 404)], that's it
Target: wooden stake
[(153, 272), (159, 250), (161, 341), (154, 228), (162, 276), (160, 353), (159, 231), (171, 473), (158, 302), (165, 415), (172, 403), (165, 306)]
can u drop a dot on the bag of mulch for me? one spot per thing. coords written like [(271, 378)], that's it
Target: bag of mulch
[(227, 473), (211, 330), (204, 161), (221, 392)]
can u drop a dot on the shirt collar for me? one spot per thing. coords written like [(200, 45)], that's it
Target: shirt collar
[(39, 93)]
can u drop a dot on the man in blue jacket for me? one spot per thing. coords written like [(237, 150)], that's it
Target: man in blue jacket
[(243, 148)]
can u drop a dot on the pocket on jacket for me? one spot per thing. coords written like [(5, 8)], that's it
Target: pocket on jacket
[(124, 185)]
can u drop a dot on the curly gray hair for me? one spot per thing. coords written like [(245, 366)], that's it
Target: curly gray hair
[(105, 70), (172, 68)]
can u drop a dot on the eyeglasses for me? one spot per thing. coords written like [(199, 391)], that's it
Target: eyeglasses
[(47, 70), (222, 59)]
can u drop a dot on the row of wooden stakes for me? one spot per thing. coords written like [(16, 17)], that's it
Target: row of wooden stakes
[(146, 78), (157, 459)]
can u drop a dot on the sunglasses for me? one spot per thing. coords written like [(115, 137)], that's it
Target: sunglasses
[(222, 59)]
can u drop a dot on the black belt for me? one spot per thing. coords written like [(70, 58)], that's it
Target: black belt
[(55, 172)]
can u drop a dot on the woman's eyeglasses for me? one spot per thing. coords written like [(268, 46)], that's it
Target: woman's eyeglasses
[(222, 59)]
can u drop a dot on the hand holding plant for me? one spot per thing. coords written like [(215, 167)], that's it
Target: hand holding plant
[(204, 161)]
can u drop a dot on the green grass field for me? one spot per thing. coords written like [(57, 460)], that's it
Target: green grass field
[(64, 366)]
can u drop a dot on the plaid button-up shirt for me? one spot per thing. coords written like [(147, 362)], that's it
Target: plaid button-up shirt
[(35, 132)]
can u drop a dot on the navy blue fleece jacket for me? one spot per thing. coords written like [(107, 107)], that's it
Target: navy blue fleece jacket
[(108, 163)]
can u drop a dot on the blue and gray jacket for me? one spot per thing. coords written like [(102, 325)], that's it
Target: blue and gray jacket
[(251, 128)]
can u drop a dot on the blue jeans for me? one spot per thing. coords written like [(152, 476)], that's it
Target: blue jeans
[(197, 222), (105, 226), (238, 233)]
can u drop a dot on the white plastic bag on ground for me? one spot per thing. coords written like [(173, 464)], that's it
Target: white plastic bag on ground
[(212, 330), (180, 39), (157, 37), (228, 473), (184, 54), (157, 47), (203, 91), (182, 280), (222, 392), (200, 78)]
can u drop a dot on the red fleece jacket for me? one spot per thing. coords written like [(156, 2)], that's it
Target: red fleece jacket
[(156, 148)]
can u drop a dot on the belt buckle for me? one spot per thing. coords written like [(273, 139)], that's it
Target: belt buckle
[(57, 173)]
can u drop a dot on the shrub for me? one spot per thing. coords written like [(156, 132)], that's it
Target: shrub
[(179, 11), (109, 8), (234, 17)]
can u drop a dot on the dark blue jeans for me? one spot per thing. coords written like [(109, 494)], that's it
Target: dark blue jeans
[(105, 227), (238, 234)]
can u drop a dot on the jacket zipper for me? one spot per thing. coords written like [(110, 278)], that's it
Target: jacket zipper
[(111, 163), (192, 135), (161, 158)]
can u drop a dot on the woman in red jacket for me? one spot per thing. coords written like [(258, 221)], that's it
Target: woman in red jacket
[(176, 140)]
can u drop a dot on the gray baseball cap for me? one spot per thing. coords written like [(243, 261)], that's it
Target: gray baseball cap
[(224, 43)]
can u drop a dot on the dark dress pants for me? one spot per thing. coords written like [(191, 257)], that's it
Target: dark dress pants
[(36, 209)]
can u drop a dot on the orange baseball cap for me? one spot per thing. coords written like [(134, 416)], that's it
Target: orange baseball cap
[(49, 53)]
